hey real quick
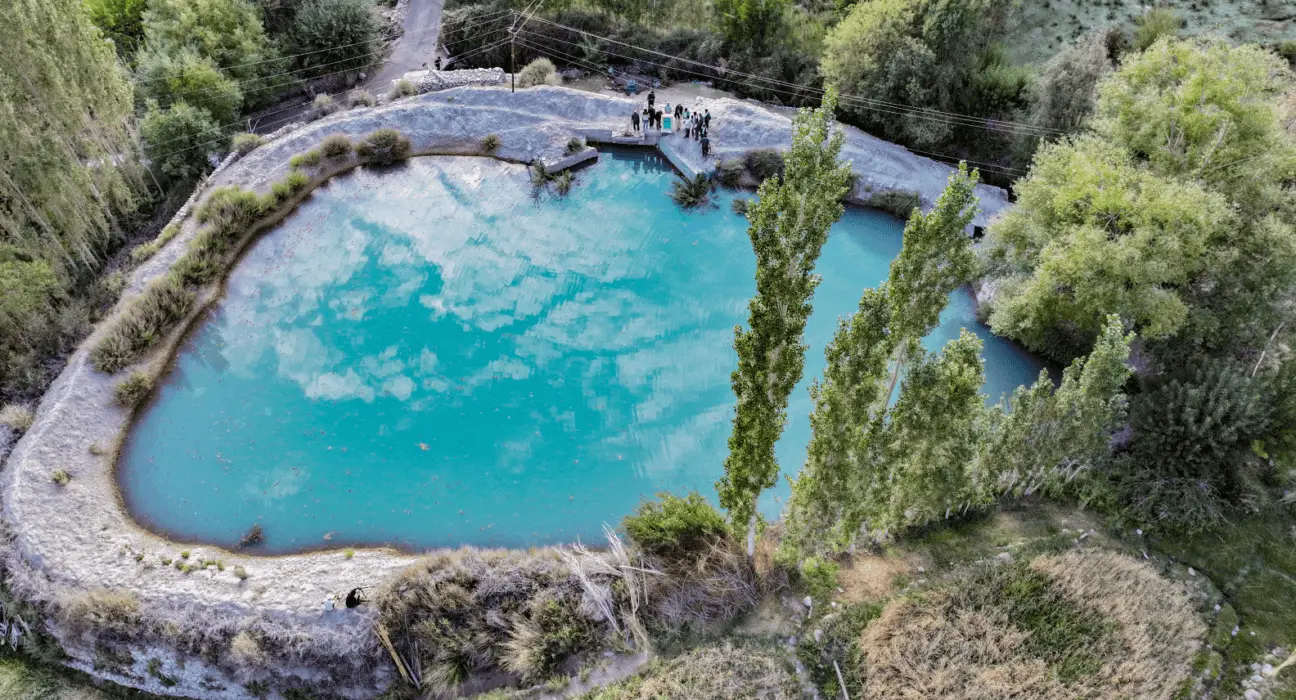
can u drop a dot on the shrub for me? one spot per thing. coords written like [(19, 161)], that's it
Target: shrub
[(1191, 460), (384, 146), (240, 573), (539, 173), (131, 390), (295, 181), (361, 98), (673, 525), (253, 537), (401, 88), (491, 143), (177, 140), (230, 207), (103, 613), (336, 146), (17, 417), (563, 183), (720, 671), (691, 193), (335, 35), (740, 205), (897, 203), (144, 251), (159, 308), (1154, 24), (575, 145), (324, 105), (819, 577), (552, 630), (229, 32), (245, 650), (763, 163), (61, 477), (729, 172), (348, 553), (308, 159), (185, 76), (538, 72)]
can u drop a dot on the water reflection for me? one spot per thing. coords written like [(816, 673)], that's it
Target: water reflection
[(431, 357)]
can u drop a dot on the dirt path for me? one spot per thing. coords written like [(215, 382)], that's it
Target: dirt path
[(418, 45)]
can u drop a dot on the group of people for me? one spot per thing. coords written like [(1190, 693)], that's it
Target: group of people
[(693, 125)]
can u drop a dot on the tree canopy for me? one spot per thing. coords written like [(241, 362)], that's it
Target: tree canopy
[(228, 32), (789, 225), (925, 54)]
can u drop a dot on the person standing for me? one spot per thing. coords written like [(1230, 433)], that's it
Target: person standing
[(437, 63), (634, 120), (652, 98), (706, 145), (706, 119)]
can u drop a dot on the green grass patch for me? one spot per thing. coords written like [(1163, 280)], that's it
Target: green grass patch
[(839, 642)]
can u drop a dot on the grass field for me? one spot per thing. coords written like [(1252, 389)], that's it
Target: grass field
[(1047, 25)]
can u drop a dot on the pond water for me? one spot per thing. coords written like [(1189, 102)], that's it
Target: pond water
[(433, 355)]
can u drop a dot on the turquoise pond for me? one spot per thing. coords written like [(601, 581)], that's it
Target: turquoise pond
[(434, 355)]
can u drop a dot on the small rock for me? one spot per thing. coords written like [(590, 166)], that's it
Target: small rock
[(608, 654), (1217, 607), (1139, 531), (1235, 631), (818, 635), (1251, 694), (1004, 557), (808, 602), (1191, 571), (1266, 670), (922, 569), (1256, 680)]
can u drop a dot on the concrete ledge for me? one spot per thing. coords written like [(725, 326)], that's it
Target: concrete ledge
[(67, 540), (583, 156)]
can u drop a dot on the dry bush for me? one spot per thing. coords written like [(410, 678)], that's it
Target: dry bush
[(144, 322), (538, 72), (101, 613), (701, 589), (1081, 624), (384, 146), (720, 672), (336, 146), (132, 390), (361, 98), (17, 416), (468, 612), (245, 650)]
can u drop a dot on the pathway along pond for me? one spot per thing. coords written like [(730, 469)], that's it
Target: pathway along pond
[(432, 355)]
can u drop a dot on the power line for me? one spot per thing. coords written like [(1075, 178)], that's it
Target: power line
[(496, 14), (222, 139), (948, 117), (249, 81), (999, 169), (295, 106)]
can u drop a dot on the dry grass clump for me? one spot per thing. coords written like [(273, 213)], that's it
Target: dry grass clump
[(292, 183), (335, 146), (17, 416), (384, 146), (1081, 624), (245, 650), (144, 322), (458, 614), (144, 251), (131, 390), (114, 615), (361, 98), (401, 88), (325, 105), (721, 672), (244, 144), (307, 159)]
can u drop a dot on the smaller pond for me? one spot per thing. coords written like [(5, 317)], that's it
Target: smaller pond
[(433, 356)]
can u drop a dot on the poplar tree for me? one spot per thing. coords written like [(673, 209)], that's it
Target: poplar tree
[(845, 472), (1048, 436), (789, 225)]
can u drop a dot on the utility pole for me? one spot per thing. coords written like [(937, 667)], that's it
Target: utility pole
[(526, 16)]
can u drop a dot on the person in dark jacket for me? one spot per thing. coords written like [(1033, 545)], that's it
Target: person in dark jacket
[(706, 119), (634, 121), (652, 98)]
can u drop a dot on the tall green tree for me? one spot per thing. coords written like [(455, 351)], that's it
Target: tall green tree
[(925, 54), (1050, 435), (837, 487), (65, 106), (121, 20), (228, 32), (335, 35), (751, 23), (167, 78), (789, 225), (1094, 234), (1206, 110)]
